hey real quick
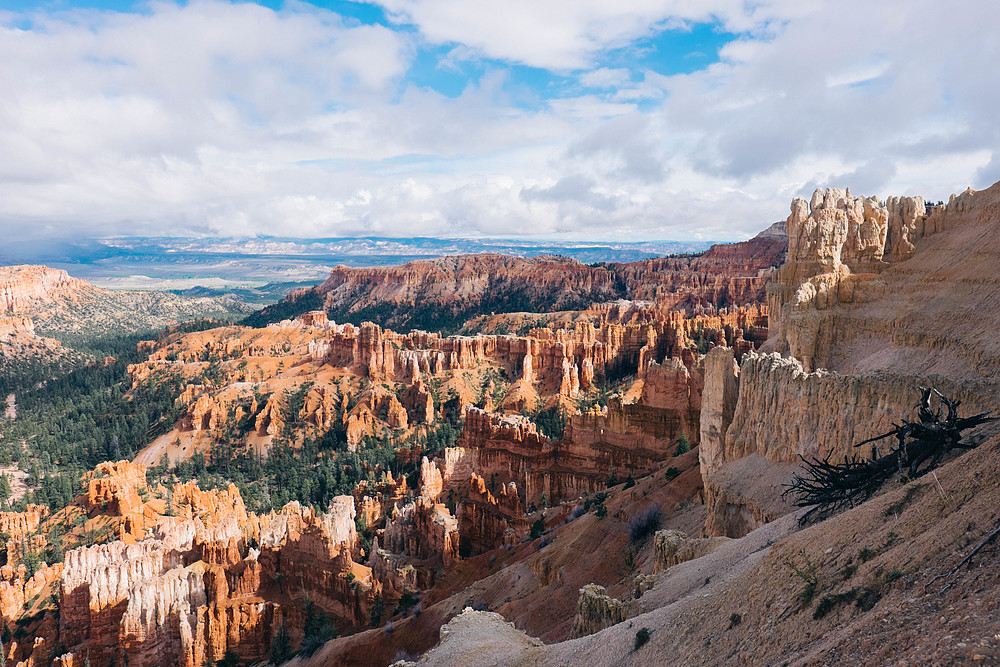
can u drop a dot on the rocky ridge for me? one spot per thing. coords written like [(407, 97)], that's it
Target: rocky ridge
[(72, 310), (875, 299), (443, 293)]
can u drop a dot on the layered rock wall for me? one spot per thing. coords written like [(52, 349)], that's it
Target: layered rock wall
[(725, 275), (874, 300), (21, 286), (835, 242)]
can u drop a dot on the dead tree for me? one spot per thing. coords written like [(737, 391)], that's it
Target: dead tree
[(827, 487)]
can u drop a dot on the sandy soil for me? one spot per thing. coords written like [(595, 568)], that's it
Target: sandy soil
[(16, 477)]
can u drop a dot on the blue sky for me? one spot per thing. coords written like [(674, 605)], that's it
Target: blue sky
[(638, 120)]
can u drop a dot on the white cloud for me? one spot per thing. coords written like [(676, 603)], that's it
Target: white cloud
[(222, 118), (569, 34), (606, 77)]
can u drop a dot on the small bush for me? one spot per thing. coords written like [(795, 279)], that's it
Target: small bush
[(671, 473), (893, 574), (809, 583), (683, 446), (537, 528), (407, 599), (641, 638), (601, 511), (629, 482), (866, 555), (863, 598), (830, 602), (734, 620), (645, 523)]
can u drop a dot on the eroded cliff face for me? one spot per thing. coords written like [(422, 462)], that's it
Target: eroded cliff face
[(847, 256), (189, 574), (633, 435), (449, 290), (369, 381), (875, 300), (23, 286), (19, 586), (199, 575)]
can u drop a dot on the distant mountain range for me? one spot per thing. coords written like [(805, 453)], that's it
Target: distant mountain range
[(263, 269)]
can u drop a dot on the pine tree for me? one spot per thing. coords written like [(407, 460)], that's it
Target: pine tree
[(281, 646), (683, 446), (5, 492)]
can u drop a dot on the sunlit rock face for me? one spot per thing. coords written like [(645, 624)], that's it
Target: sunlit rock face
[(875, 299)]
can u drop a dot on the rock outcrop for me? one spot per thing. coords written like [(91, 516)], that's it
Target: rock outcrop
[(672, 547), (837, 243), (21, 287), (596, 610), (872, 303), (423, 530)]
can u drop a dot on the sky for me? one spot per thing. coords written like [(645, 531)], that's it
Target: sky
[(562, 119)]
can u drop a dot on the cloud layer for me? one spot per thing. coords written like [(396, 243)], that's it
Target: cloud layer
[(221, 118)]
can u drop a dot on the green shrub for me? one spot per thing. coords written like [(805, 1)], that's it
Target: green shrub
[(641, 638), (809, 583)]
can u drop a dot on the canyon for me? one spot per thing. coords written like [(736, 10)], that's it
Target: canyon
[(875, 299), (204, 575), (611, 490)]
